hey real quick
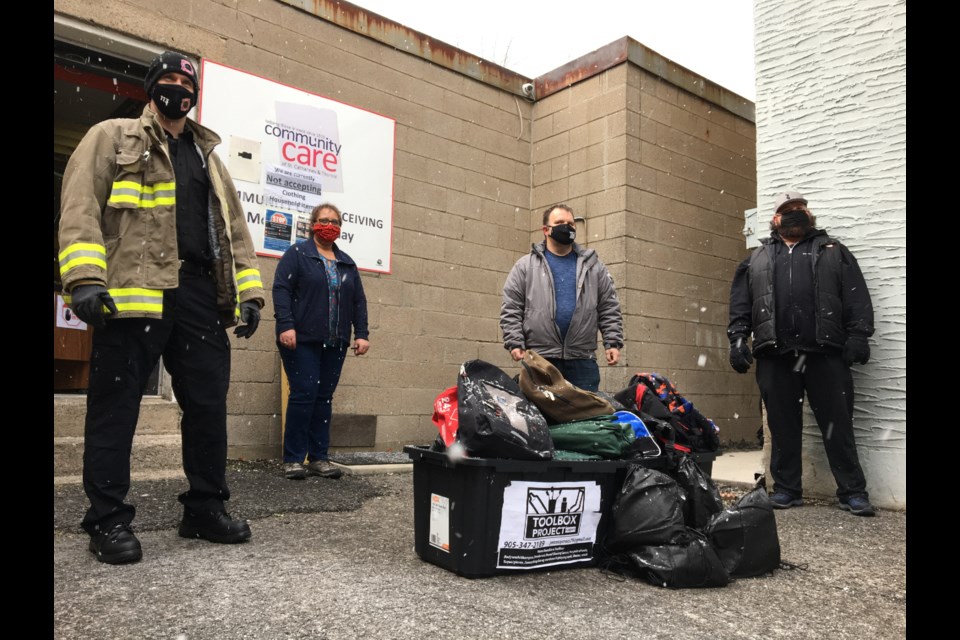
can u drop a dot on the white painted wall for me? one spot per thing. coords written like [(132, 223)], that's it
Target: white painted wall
[(831, 123)]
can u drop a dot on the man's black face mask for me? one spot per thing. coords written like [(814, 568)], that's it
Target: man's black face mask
[(563, 233), (794, 224)]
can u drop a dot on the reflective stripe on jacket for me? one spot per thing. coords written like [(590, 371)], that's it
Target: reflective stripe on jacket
[(118, 219)]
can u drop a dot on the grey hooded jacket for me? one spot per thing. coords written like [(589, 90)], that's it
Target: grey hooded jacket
[(528, 312)]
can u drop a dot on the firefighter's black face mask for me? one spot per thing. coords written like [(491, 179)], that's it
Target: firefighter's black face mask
[(172, 100)]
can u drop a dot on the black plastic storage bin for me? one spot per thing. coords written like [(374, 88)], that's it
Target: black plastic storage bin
[(557, 512), (458, 511)]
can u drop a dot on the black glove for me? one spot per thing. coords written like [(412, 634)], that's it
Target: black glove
[(250, 317), (856, 349), (740, 356), (87, 302)]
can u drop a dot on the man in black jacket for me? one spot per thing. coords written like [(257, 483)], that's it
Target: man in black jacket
[(802, 296)]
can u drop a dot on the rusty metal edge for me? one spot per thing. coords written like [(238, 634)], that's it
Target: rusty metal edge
[(376, 27), (628, 49), (584, 67), (678, 75)]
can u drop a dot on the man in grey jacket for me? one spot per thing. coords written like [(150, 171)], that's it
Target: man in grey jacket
[(555, 300)]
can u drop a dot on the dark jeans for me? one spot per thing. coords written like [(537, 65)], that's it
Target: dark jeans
[(829, 388), (581, 373), (313, 372), (196, 353)]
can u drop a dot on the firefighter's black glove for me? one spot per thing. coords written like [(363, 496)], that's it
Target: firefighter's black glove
[(740, 356), (87, 302), (856, 349), (250, 317)]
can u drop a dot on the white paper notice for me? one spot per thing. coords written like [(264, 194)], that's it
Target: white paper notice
[(545, 524), (244, 159), (290, 189), (66, 319), (440, 522)]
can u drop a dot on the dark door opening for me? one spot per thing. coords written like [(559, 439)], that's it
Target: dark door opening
[(88, 87)]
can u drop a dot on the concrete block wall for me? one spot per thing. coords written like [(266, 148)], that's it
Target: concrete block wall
[(691, 174)]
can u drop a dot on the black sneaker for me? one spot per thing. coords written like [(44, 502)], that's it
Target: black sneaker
[(117, 545), (858, 506), (215, 526), (783, 500)]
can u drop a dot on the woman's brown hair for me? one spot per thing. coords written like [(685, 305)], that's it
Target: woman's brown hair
[(320, 207)]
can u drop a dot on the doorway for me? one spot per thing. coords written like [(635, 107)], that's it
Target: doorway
[(91, 83)]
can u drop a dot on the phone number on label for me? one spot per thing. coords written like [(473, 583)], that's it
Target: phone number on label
[(510, 544)]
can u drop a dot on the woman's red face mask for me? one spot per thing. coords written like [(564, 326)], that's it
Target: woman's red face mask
[(326, 232)]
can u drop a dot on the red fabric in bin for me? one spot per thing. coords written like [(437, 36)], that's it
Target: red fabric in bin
[(445, 415)]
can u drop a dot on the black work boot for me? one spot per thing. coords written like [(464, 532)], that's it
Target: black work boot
[(215, 526), (117, 545)]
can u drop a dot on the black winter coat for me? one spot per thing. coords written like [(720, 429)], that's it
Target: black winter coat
[(810, 298)]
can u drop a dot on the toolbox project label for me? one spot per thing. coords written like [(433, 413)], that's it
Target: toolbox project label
[(544, 524)]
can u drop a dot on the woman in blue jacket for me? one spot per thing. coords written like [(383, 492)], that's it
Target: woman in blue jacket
[(317, 298)]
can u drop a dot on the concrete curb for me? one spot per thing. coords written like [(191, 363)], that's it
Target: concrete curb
[(374, 469)]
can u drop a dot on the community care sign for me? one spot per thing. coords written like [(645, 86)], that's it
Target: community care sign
[(288, 150)]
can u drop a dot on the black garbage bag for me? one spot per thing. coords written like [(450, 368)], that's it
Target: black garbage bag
[(648, 511), (703, 497), (745, 536), (496, 420), (692, 563)]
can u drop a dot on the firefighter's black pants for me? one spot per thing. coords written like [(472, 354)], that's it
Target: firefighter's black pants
[(829, 388), (196, 353)]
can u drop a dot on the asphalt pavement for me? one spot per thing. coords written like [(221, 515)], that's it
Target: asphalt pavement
[(335, 559)]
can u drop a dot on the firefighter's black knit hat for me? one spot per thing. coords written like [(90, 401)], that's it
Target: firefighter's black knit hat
[(172, 62)]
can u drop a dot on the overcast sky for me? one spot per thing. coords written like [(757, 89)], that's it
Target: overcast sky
[(532, 37)]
